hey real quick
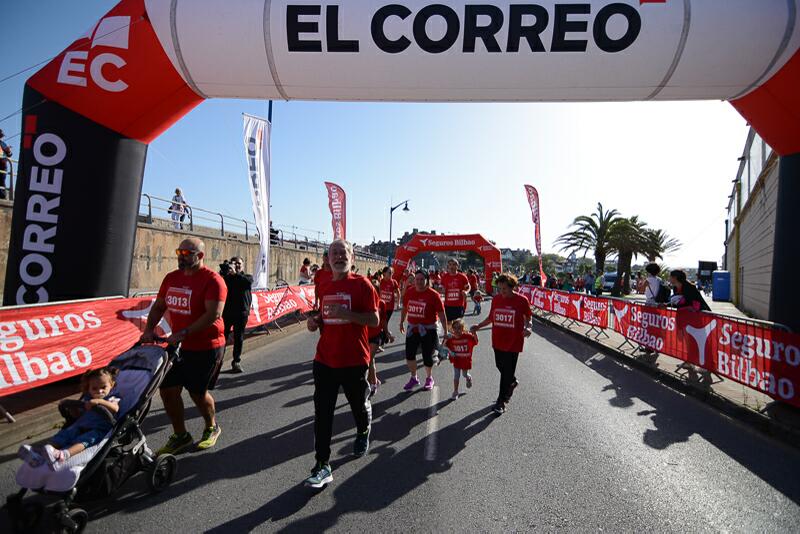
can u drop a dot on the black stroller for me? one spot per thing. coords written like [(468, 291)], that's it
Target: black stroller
[(100, 470)]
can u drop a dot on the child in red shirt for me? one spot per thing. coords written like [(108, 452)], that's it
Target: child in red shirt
[(477, 298), (460, 346)]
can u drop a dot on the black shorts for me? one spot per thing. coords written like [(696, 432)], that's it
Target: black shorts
[(429, 343), (197, 370), (453, 312)]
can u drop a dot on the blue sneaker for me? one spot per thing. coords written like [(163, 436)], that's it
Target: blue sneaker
[(321, 475)]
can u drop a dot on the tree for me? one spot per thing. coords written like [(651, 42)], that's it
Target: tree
[(591, 233), (628, 238), (660, 244)]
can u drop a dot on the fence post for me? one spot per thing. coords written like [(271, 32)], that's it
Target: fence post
[(149, 208), (191, 217)]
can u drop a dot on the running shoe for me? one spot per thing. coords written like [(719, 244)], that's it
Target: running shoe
[(321, 475), (379, 349), (499, 408), (469, 380), (30, 456), (361, 446), (412, 383), (209, 439), (176, 443), (429, 382), (236, 368), (454, 396), (512, 387)]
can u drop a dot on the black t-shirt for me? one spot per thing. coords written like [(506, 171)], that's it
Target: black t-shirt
[(239, 295)]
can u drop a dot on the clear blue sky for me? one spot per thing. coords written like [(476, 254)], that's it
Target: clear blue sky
[(462, 165)]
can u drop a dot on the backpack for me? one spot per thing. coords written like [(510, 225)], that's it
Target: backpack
[(663, 293)]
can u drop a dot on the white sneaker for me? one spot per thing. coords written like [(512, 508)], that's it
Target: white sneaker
[(454, 396)]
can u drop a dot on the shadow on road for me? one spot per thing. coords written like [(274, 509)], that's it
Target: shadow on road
[(676, 418)]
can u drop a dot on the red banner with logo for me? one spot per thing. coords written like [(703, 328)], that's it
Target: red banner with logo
[(576, 306), (533, 200), (337, 203), (44, 344)]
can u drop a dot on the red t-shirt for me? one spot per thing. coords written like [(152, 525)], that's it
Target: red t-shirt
[(388, 288), (509, 315), (477, 297), (342, 343), (453, 285), (322, 276), (186, 298), (422, 306), (435, 279), (376, 331), (473, 282), (461, 347)]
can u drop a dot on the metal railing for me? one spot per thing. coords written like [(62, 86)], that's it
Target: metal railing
[(196, 218), (10, 174)]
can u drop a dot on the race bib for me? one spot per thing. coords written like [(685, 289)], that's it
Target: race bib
[(179, 300), (453, 295), (331, 302), (416, 309), (386, 296), (461, 350), (504, 318)]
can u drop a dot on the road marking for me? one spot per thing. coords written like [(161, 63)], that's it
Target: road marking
[(433, 426)]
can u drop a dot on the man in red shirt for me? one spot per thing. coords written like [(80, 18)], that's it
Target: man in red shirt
[(455, 285), (195, 297), (348, 307), (511, 324), (390, 294)]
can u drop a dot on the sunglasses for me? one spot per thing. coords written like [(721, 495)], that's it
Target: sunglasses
[(185, 252)]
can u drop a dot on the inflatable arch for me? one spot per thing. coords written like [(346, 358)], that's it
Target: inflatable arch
[(90, 113), (492, 260)]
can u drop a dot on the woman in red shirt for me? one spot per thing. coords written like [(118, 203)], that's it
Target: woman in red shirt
[(421, 305), (511, 324)]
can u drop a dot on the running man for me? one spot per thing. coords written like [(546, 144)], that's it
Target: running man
[(421, 305), (390, 294), (348, 307), (456, 285), (195, 297)]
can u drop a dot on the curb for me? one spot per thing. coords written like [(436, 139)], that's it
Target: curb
[(763, 423), (36, 423)]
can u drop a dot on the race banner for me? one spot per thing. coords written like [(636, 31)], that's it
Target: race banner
[(533, 200), (43, 344), (337, 203), (257, 149), (590, 310)]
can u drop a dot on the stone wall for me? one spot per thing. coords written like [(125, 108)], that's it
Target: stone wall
[(154, 253)]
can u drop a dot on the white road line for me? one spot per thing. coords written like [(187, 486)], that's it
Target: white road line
[(433, 426)]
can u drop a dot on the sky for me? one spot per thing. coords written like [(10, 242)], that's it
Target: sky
[(461, 166)]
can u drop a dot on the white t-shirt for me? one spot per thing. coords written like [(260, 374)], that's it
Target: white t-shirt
[(651, 291)]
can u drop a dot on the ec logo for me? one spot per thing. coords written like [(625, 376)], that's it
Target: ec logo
[(110, 32)]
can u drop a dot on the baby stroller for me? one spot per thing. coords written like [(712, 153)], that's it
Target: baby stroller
[(100, 470)]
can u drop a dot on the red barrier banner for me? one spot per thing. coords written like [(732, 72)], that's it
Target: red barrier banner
[(576, 306), (762, 358), (590, 310), (44, 344), (271, 305)]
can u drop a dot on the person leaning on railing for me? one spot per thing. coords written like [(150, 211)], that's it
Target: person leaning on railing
[(5, 154)]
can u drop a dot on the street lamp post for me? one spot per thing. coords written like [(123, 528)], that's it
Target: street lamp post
[(391, 214)]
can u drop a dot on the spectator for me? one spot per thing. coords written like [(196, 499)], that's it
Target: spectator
[(652, 287), (537, 280), (349, 307), (195, 297), (5, 154), (178, 209), (305, 272), (237, 308), (588, 282), (686, 295)]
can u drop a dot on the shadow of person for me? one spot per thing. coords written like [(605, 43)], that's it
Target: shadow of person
[(666, 431), (367, 490), (621, 399)]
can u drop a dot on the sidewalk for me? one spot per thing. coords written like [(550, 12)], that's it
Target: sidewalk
[(731, 397), (36, 410)]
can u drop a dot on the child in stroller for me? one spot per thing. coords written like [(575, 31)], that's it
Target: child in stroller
[(97, 471), (90, 421)]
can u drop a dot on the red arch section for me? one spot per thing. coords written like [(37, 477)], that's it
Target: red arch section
[(492, 260)]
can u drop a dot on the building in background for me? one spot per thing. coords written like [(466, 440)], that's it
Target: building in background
[(750, 251)]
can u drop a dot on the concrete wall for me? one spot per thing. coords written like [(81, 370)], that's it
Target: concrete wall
[(154, 253), (750, 247)]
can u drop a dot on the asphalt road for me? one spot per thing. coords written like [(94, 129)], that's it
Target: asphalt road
[(587, 444)]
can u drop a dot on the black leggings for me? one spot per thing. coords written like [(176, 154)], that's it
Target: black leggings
[(237, 325), (429, 343), (506, 363), (327, 380)]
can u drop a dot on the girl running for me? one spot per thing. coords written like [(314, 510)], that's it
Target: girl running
[(377, 337), (461, 345)]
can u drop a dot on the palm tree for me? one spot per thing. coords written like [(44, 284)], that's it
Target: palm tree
[(591, 233), (660, 244), (628, 238)]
